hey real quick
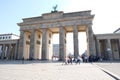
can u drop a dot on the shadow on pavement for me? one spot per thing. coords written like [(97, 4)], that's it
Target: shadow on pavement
[(26, 61)]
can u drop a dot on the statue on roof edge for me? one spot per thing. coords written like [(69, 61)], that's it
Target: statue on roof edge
[(54, 9)]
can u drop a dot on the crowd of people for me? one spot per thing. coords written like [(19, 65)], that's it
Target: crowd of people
[(70, 60), (82, 58)]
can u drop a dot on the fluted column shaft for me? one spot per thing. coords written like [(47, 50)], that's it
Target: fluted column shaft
[(21, 45), (9, 51), (3, 51), (98, 48), (62, 48), (44, 45), (32, 45), (90, 41), (109, 50), (76, 41)]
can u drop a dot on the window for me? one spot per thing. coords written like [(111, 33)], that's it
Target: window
[(49, 35), (49, 42), (39, 36), (28, 36), (38, 42)]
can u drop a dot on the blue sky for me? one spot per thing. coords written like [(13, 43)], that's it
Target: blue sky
[(12, 12), (107, 13)]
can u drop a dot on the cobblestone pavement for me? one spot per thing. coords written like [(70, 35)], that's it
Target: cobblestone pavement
[(50, 71), (113, 67)]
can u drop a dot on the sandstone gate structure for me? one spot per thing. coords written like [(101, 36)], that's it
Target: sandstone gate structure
[(36, 34), (36, 37)]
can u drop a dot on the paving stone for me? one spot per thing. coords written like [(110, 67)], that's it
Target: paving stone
[(51, 71)]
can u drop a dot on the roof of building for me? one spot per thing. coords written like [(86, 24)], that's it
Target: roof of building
[(9, 34), (108, 36)]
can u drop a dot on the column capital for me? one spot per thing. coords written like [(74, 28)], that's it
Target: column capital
[(109, 43), (32, 30), (74, 25), (90, 24)]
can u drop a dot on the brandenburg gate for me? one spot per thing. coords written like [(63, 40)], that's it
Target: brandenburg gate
[(36, 34)]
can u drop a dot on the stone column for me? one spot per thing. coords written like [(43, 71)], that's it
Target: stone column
[(15, 54), (90, 41), (12, 51), (98, 48), (38, 45), (0, 51), (9, 49), (76, 41), (62, 48), (32, 44), (3, 51), (6, 51), (109, 50), (50, 44), (119, 47), (44, 55), (119, 44), (17, 49), (21, 45)]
